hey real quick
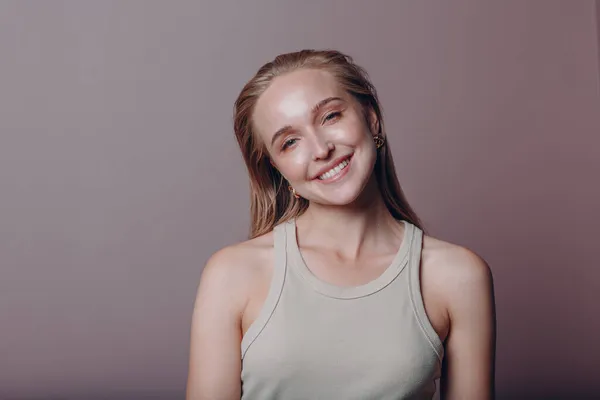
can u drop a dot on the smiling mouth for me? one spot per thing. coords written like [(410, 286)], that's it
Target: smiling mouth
[(335, 171)]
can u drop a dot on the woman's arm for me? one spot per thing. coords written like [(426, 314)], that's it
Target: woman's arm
[(469, 360), (215, 355)]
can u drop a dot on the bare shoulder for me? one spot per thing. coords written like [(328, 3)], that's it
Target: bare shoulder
[(240, 257), (222, 295), (453, 261), (233, 269), (456, 273), (460, 284)]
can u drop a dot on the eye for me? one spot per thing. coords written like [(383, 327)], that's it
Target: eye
[(332, 116), (288, 143)]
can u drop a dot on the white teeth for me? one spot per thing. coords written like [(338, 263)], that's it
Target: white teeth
[(334, 171)]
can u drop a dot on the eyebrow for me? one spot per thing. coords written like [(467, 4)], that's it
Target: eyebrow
[(313, 111)]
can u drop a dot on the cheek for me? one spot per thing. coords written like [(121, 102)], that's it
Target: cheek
[(367, 150), (355, 137), (353, 131), (293, 165)]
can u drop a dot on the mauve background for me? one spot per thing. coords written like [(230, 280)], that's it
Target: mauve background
[(120, 175)]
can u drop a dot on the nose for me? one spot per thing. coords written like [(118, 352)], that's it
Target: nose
[(321, 148)]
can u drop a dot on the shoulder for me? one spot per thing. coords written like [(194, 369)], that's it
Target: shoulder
[(232, 270), (216, 328), (459, 275), (463, 281), (240, 257), (455, 262)]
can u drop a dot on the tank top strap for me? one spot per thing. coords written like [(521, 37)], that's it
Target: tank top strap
[(416, 296), (275, 288), (280, 244)]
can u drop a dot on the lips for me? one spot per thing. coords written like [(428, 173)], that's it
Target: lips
[(332, 165)]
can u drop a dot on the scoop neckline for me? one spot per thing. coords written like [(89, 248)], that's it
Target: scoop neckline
[(350, 292)]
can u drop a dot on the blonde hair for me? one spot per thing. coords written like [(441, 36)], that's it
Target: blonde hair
[(270, 200)]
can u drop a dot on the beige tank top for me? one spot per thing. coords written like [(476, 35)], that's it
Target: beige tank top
[(316, 340)]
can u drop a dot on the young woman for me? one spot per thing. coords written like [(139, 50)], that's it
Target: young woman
[(338, 294)]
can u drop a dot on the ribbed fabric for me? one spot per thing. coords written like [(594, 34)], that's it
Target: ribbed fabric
[(315, 340)]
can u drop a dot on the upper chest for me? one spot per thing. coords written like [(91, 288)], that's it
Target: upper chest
[(333, 269)]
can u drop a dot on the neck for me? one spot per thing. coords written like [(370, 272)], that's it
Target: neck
[(364, 226)]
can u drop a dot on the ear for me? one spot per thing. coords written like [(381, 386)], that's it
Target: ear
[(372, 120)]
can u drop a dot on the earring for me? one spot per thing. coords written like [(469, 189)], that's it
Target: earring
[(291, 189), (379, 140)]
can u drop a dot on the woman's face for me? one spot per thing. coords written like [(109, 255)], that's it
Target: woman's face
[(317, 136)]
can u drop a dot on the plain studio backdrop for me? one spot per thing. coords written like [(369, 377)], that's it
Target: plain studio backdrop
[(120, 175)]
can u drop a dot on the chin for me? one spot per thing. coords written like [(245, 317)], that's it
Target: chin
[(338, 200), (342, 195)]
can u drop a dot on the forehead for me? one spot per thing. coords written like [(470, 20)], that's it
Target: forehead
[(290, 98)]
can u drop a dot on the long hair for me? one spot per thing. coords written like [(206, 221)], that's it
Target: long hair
[(270, 201)]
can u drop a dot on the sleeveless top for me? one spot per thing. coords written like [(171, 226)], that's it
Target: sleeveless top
[(316, 340)]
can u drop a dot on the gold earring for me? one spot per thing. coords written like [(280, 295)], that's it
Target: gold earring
[(291, 189), (379, 140)]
